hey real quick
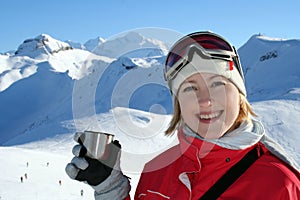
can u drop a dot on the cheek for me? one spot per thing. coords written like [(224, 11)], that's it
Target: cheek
[(188, 107), (187, 99), (188, 103), (185, 108), (233, 104)]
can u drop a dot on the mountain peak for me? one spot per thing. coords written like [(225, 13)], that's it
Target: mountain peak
[(265, 59), (91, 44), (42, 44), (134, 36), (127, 43)]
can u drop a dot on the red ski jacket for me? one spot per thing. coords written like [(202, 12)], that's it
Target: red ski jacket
[(187, 170)]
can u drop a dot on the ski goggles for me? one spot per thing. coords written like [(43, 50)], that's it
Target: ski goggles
[(207, 45)]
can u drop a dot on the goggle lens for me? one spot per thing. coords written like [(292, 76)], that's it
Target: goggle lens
[(208, 41)]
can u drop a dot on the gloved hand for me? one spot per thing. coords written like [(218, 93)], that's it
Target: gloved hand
[(104, 176)]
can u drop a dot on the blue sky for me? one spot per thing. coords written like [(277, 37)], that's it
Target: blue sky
[(79, 20)]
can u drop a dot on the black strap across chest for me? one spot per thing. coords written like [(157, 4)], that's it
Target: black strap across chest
[(231, 175)]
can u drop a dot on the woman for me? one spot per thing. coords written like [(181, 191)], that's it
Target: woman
[(223, 153)]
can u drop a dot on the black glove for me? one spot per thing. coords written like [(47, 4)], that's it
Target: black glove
[(93, 171)]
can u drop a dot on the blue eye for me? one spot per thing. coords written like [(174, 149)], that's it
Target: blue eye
[(218, 83), (190, 88)]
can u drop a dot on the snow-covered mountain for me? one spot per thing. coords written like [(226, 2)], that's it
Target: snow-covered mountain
[(271, 67), (40, 46), (91, 44), (49, 89), (47, 78), (132, 43)]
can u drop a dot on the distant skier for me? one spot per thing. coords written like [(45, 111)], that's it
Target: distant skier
[(47, 164), (21, 179), (59, 182), (25, 175), (81, 192), (27, 164)]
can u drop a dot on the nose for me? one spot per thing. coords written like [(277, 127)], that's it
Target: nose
[(205, 102), (204, 98)]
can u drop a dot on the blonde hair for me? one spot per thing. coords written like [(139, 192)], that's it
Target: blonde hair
[(245, 114)]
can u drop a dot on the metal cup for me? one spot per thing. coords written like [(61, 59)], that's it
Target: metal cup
[(96, 144)]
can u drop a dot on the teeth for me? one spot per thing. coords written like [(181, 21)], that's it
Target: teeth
[(210, 116)]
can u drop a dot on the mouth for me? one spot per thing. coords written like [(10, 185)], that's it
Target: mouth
[(210, 117)]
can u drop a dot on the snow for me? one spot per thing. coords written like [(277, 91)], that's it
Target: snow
[(132, 40), (15, 68), (43, 181), (51, 89), (91, 44)]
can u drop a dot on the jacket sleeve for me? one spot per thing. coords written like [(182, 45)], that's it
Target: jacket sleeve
[(116, 186), (291, 191)]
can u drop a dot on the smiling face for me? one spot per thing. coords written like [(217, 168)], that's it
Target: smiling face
[(209, 104)]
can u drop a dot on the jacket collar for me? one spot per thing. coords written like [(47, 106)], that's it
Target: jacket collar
[(246, 135), (201, 152), (195, 147)]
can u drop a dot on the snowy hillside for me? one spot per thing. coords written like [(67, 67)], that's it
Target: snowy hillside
[(51, 89), (271, 67), (51, 82), (140, 134)]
